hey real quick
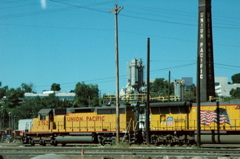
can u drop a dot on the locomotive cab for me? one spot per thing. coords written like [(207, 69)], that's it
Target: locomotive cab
[(42, 122)]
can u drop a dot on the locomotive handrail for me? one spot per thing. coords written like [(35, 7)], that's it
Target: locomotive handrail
[(128, 128), (140, 97), (183, 126)]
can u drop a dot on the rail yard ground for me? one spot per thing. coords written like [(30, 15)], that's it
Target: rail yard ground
[(19, 151)]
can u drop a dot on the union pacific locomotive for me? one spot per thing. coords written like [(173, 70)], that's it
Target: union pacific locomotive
[(170, 123), (176, 123), (80, 125)]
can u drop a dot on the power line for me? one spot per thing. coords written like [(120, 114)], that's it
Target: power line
[(168, 68), (17, 6), (9, 2), (184, 13), (100, 29), (124, 77), (177, 23), (83, 7), (36, 13), (233, 66), (155, 20), (53, 27), (107, 79), (74, 6)]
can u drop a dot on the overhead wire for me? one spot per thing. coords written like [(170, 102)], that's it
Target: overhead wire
[(9, 2), (17, 6), (108, 79), (53, 27), (78, 6), (124, 15), (35, 13), (226, 65), (104, 11), (178, 14)]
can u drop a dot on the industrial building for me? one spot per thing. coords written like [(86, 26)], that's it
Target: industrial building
[(223, 87), (61, 95)]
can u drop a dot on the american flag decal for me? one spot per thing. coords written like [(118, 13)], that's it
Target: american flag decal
[(218, 116)]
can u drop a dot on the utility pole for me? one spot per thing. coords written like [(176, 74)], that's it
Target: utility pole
[(116, 11), (169, 85), (148, 93)]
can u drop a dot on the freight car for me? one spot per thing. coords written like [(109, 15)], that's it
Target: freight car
[(176, 123), (81, 125)]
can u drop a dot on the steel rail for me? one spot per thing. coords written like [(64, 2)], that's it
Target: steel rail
[(118, 150), (120, 154)]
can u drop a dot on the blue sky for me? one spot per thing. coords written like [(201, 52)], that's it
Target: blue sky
[(69, 41)]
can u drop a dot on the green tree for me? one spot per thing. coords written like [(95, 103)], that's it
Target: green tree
[(13, 98), (3, 90), (86, 94), (55, 87), (236, 78), (190, 94), (66, 103), (10, 103), (27, 88), (29, 108), (160, 86), (235, 93), (51, 101), (3, 117)]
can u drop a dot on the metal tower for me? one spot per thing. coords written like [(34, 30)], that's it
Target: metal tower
[(135, 76)]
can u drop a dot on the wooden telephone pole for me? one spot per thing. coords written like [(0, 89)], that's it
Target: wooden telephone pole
[(116, 11)]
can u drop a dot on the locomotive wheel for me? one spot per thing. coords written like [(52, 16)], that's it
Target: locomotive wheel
[(24, 140), (32, 143), (156, 143), (55, 143), (103, 142), (43, 143)]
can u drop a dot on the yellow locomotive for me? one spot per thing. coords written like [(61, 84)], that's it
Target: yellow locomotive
[(170, 123), (80, 125), (176, 122)]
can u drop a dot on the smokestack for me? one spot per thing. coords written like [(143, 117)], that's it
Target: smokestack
[(205, 51)]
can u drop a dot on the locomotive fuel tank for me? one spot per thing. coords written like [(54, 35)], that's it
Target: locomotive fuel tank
[(74, 139)]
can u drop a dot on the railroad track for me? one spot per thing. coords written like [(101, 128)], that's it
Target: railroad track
[(70, 152)]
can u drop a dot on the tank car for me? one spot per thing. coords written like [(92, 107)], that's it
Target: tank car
[(176, 123), (81, 125)]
